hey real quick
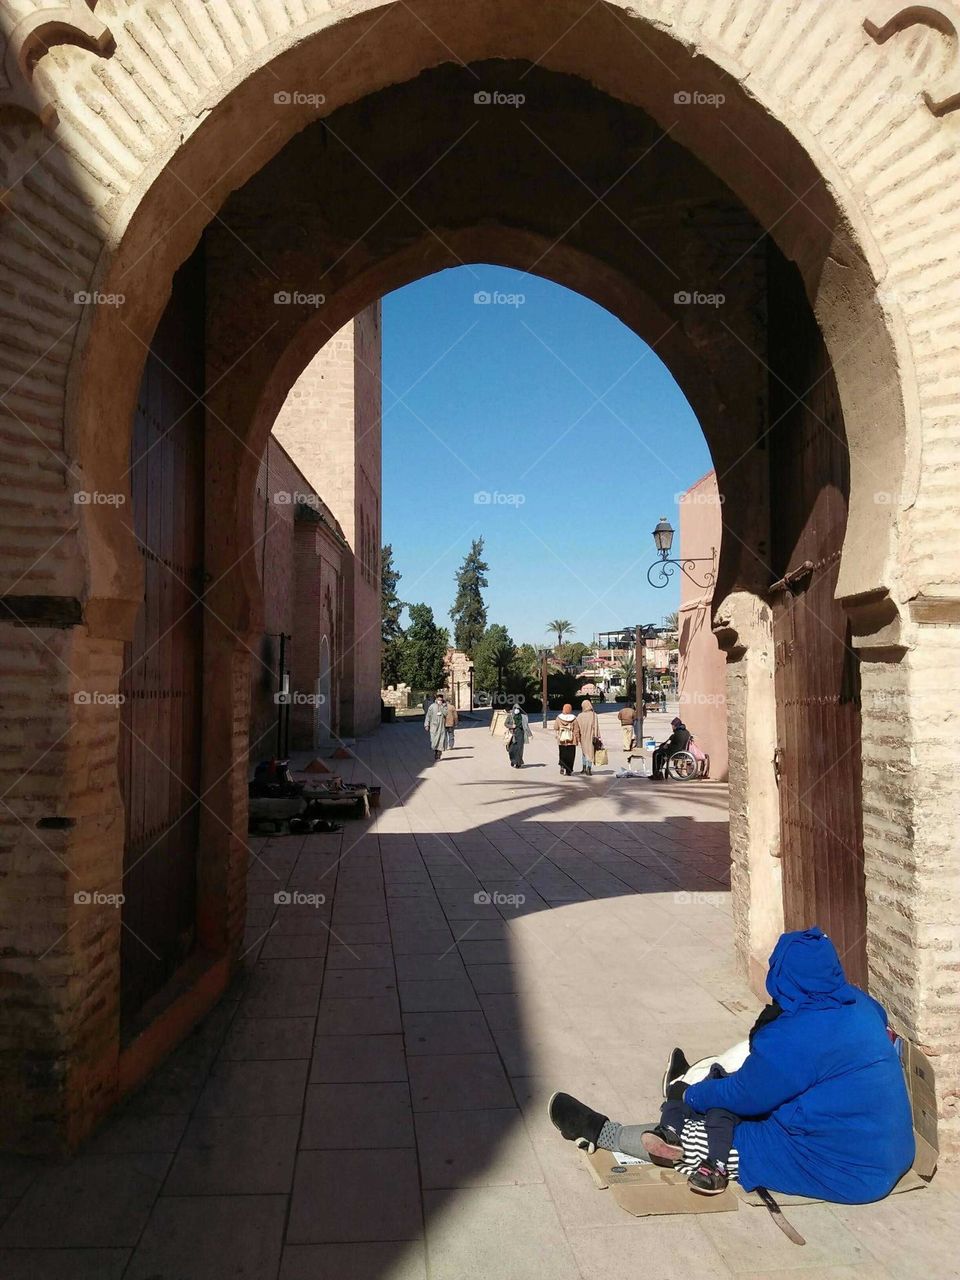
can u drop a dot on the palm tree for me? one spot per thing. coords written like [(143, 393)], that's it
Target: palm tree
[(560, 628), (627, 671)]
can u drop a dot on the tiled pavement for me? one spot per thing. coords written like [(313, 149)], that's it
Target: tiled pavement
[(368, 1104)]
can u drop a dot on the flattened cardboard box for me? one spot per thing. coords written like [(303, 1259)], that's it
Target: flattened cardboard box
[(644, 1189)]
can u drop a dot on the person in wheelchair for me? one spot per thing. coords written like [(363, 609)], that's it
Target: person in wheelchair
[(679, 740)]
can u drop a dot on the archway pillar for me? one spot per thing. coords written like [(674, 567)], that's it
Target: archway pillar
[(908, 660), (743, 624)]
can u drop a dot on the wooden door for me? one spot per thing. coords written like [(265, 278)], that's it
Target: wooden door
[(817, 674), (160, 739)]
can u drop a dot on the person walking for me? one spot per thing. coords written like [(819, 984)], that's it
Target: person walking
[(565, 727), (627, 717), (451, 720), (518, 735), (435, 723), (588, 735)]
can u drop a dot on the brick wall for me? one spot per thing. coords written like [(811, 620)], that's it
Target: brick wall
[(330, 425), (301, 559)]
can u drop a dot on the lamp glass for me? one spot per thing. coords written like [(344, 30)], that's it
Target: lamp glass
[(663, 536)]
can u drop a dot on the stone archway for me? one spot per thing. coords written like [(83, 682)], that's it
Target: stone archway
[(138, 144)]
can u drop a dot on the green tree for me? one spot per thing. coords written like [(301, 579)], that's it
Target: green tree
[(573, 654), (528, 661), (627, 671), (391, 607), (494, 659), (423, 650), (560, 628), (469, 613)]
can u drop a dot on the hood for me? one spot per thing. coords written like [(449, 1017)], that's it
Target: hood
[(566, 715), (806, 973)]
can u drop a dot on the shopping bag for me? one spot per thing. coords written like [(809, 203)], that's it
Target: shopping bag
[(600, 755)]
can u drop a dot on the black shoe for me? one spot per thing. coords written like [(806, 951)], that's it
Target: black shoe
[(710, 1178), (676, 1067), (576, 1122)]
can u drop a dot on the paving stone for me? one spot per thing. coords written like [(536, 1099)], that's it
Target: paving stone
[(290, 1002), (211, 1238), (363, 1059), (437, 995), (475, 1148), (430, 967), (355, 1196), (353, 983), (296, 946), (63, 1264), (376, 1015), (397, 1261), (254, 1089), (267, 1038), (235, 1155), (127, 1132), (432, 1033), (422, 941), (357, 1116), (496, 1233), (92, 1201), (359, 955), (458, 1082)]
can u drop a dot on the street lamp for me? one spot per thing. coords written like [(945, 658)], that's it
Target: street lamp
[(666, 567)]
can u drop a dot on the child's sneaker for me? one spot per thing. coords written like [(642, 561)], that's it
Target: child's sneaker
[(710, 1178)]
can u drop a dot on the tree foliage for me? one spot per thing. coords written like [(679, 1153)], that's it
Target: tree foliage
[(423, 650), (561, 627), (574, 653), (469, 613), (495, 659), (391, 607)]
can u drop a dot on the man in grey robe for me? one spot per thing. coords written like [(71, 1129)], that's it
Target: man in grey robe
[(435, 723)]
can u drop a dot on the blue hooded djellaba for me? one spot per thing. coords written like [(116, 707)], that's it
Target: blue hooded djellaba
[(822, 1092)]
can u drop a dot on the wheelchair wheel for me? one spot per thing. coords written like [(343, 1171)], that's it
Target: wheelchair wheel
[(683, 766)]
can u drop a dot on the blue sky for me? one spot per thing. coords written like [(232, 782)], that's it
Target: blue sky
[(563, 416)]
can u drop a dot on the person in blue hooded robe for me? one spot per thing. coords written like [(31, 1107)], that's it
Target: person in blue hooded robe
[(821, 1098)]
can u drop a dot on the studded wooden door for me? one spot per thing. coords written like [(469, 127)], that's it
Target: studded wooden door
[(160, 740), (817, 675)]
